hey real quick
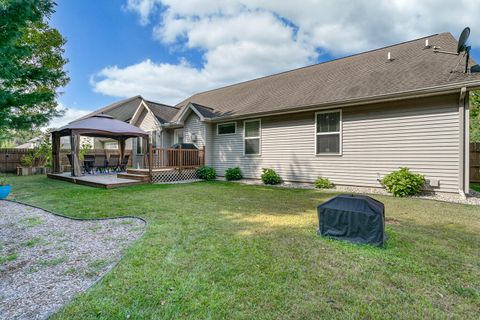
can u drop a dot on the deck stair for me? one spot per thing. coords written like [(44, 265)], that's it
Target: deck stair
[(134, 175)]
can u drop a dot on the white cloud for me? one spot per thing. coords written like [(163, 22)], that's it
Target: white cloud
[(143, 7), (69, 115), (244, 39)]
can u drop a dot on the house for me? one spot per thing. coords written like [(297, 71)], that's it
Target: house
[(352, 120), (147, 115)]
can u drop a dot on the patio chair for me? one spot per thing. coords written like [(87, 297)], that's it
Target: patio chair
[(100, 163), (124, 163), (88, 163), (114, 162)]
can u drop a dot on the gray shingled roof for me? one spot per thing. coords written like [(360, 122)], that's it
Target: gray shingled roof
[(358, 76), (162, 112), (121, 110)]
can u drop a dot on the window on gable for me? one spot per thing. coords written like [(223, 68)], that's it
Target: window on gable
[(252, 136), (328, 132), (227, 128)]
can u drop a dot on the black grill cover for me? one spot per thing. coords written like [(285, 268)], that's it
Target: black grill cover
[(359, 219)]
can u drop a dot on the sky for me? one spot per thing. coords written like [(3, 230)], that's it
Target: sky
[(167, 50)]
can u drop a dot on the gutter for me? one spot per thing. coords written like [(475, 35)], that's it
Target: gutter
[(463, 163), (410, 94)]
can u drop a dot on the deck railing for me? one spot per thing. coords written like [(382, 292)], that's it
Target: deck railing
[(170, 158)]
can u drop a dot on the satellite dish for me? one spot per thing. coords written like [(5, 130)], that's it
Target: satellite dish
[(463, 40)]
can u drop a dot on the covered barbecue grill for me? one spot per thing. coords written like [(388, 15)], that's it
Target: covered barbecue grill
[(358, 219)]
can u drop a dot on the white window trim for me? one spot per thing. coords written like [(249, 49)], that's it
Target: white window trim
[(259, 138), (175, 134), (328, 133), (227, 134)]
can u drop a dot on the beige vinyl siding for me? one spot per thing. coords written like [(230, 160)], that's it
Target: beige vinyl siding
[(146, 121), (193, 125), (166, 137), (422, 134)]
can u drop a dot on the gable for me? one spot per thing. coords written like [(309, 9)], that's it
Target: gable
[(146, 121)]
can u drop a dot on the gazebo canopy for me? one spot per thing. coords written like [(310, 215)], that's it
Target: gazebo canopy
[(100, 125)]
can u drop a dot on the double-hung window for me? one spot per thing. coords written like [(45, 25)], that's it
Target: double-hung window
[(252, 133), (328, 132)]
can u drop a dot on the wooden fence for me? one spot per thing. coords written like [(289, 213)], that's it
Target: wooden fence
[(161, 158), (10, 158), (475, 162)]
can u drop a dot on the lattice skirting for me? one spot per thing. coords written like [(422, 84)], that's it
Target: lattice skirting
[(174, 175)]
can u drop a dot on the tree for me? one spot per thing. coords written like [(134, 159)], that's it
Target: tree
[(475, 116), (31, 65)]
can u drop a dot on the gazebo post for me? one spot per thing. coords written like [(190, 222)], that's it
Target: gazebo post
[(56, 152), (75, 147), (149, 155), (121, 145)]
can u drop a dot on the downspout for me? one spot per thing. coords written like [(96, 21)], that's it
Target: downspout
[(463, 162)]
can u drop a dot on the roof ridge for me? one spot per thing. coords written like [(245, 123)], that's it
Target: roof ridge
[(162, 104), (109, 107), (316, 64)]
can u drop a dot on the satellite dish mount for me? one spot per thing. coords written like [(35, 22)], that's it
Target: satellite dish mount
[(461, 47)]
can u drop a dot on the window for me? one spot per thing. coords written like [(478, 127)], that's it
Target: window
[(178, 136), (139, 145), (328, 128), (111, 145), (227, 128), (251, 136)]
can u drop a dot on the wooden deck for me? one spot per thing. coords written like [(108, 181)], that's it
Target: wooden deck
[(106, 181)]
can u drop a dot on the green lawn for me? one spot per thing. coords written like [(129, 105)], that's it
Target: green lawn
[(219, 250), (475, 186)]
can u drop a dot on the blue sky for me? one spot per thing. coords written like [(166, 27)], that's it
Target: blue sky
[(167, 50)]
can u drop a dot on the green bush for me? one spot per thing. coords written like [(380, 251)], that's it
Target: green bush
[(233, 174), (269, 176), (207, 173), (27, 160), (403, 182), (323, 183), (3, 181)]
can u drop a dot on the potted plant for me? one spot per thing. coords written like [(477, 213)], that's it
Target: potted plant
[(4, 188)]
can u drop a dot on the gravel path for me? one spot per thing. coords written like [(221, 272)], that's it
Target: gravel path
[(45, 260)]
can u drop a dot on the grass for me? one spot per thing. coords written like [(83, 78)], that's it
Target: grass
[(475, 186), (31, 222), (52, 262), (8, 258), (224, 250)]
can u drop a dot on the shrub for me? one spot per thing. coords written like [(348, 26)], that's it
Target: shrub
[(233, 174), (40, 156), (3, 181), (84, 148), (27, 160), (403, 182), (323, 183), (206, 173), (269, 176)]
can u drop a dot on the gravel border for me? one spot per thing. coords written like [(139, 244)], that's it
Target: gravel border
[(46, 259), (473, 198)]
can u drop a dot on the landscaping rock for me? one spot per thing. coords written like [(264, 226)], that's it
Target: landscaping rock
[(45, 260)]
